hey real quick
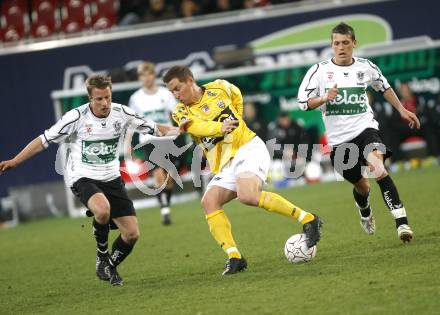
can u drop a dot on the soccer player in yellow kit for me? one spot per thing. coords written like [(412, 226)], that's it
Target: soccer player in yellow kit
[(212, 115)]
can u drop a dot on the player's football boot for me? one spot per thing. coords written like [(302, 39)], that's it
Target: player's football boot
[(313, 231), (166, 219), (115, 278), (234, 265), (367, 223), (102, 268), (405, 233)]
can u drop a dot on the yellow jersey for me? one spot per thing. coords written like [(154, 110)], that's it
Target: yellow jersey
[(203, 120)]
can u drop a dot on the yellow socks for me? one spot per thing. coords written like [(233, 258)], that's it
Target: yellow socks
[(220, 228), (275, 203)]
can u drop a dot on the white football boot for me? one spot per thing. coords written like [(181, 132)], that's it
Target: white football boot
[(367, 223), (405, 233)]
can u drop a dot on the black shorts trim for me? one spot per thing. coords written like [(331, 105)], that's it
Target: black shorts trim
[(114, 191), (369, 136)]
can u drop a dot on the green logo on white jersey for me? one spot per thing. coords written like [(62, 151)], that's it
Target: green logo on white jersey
[(350, 101), (99, 151)]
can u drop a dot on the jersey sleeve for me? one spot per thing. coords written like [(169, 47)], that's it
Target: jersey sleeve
[(140, 124), (62, 129), (196, 126), (377, 81), (309, 87)]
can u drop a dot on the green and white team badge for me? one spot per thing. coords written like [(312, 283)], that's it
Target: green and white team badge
[(99, 151), (350, 101)]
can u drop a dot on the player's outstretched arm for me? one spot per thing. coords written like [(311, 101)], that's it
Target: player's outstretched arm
[(166, 130), (34, 147), (406, 115)]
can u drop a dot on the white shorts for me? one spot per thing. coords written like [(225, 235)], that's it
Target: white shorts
[(252, 157)]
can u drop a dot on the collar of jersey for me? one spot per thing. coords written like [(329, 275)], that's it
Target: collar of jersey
[(352, 62)]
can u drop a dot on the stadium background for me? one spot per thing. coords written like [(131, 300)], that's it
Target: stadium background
[(47, 266), (31, 71)]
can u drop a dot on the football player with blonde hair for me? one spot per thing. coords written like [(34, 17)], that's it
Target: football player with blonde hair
[(213, 115)]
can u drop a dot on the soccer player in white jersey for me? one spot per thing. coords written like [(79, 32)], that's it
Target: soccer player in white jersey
[(156, 103), (92, 168), (337, 86)]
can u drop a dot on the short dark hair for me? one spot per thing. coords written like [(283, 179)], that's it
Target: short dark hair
[(98, 81), (343, 29), (180, 72)]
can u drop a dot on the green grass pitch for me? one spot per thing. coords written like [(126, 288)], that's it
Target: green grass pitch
[(48, 266)]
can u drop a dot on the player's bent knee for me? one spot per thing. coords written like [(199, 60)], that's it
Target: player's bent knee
[(248, 199), (102, 211), (208, 204), (100, 207), (131, 236), (363, 187)]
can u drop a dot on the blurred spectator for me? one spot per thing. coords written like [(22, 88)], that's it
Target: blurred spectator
[(217, 6), (399, 130), (283, 1), (188, 8), (249, 4), (132, 11), (159, 10), (286, 131), (250, 116), (430, 121)]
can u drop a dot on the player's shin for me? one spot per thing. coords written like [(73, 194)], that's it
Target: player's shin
[(100, 231), (362, 202), (168, 193), (221, 230), (392, 200), (120, 250), (275, 203)]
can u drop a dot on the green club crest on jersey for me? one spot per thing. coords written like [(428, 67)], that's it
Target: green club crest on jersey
[(99, 151), (350, 101)]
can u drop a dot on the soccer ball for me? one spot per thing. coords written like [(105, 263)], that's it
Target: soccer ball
[(296, 249)]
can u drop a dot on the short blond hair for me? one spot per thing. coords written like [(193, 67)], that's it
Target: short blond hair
[(146, 67), (98, 81)]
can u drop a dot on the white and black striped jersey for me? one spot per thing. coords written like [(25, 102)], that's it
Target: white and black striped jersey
[(350, 113), (157, 107), (94, 142)]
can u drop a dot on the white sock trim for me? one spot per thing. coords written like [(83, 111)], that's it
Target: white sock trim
[(165, 210), (360, 208), (232, 249), (398, 213), (302, 215)]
